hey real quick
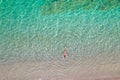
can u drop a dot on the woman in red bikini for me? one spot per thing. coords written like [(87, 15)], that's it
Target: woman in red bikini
[(65, 53)]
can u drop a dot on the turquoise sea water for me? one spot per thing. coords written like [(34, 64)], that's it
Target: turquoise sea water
[(35, 30)]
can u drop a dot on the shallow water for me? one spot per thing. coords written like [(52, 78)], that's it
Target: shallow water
[(33, 32)]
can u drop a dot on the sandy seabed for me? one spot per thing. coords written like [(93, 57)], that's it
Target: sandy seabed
[(59, 70)]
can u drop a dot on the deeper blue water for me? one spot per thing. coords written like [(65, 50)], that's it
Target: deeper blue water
[(31, 29)]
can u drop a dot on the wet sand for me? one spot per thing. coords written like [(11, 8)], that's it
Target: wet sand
[(59, 70)]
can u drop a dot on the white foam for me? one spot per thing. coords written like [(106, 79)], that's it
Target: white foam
[(40, 79)]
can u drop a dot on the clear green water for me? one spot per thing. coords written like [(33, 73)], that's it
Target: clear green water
[(35, 30), (58, 6)]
